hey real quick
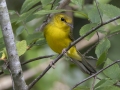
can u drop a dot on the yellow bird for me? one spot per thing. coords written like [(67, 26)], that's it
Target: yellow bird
[(58, 35)]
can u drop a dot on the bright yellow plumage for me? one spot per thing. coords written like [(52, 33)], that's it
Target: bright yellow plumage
[(58, 36)]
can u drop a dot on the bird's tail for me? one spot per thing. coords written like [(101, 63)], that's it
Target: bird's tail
[(85, 66)]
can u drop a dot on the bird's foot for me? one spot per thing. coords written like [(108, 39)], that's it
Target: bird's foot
[(52, 64)]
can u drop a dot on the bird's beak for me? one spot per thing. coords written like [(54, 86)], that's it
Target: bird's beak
[(71, 25)]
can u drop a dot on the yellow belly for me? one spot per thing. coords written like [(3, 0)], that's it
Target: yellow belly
[(59, 40)]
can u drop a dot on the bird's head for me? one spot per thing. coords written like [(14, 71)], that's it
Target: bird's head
[(62, 21)]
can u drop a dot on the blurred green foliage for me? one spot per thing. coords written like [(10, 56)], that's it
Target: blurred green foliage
[(26, 16)]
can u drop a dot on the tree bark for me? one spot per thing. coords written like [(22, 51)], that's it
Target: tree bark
[(14, 63)]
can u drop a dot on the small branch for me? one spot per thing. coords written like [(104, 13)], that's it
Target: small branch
[(113, 34), (53, 4), (72, 44), (93, 84), (23, 23), (31, 45), (92, 30), (44, 72), (90, 48), (99, 11), (49, 15), (34, 59), (93, 45), (90, 57), (95, 74)]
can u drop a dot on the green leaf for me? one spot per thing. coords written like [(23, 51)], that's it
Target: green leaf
[(11, 12), (24, 16), (102, 58), (85, 29), (80, 14), (105, 83), (100, 83), (45, 2), (34, 37), (82, 88), (115, 29), (13, 16), (21, 47), (78, 3), (1, 46), (28, 4), (4, 54), (110, 10), (113, 71), (94, 16), (112, 87), (40, 42), (104, 1), (1, 63), (103, 46), (19, 30), (43, 12), (6, 72)]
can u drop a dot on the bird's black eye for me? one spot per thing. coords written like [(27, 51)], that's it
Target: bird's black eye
[(62, 19)]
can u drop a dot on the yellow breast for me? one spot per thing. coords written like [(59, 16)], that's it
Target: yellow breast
[(56, 38), (57, 33)]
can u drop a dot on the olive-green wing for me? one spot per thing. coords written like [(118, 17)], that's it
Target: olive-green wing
[(71, 35)]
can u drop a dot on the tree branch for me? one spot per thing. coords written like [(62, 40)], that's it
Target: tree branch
[(95, 74), (34, 59), (93, 29), (14, 64), (72, 44), (44, 72)]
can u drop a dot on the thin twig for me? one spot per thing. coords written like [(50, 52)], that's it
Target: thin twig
[(95, 74), (98, 78), (113, 34), (53, 4), (92, 88), (72, 44), (93, 29), (40, 28), (31, 45), (23, 23), (34, 59), (44, 72), (90, 48), (93, 45), (98, 36), (49, 15), (99, 11)]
